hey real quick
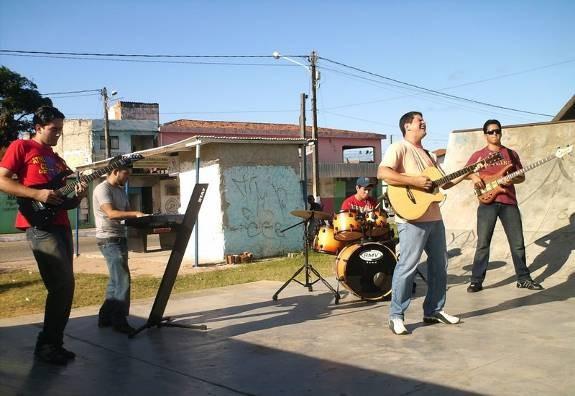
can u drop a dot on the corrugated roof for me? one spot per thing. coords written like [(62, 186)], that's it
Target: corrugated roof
[(348, 170), (229, 128), (189, 143)]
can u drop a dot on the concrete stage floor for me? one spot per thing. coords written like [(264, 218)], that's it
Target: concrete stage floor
[(512, 342)]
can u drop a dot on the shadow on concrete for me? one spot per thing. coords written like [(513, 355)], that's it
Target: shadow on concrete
[(453, 252), (558, 246), (560, 292), (493, 265), (297, 309), (4, 287), (183, 362)]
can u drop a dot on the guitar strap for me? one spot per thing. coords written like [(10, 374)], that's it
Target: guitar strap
[(434, 162), (513, 157)]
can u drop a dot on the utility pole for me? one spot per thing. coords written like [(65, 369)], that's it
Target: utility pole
[(314, 133), (303, 149), (104, 93)]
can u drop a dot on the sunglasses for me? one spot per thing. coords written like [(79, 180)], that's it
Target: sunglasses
[(494, 132)]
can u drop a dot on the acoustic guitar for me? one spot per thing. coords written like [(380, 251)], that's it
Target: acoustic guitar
[(41, 214), (495, 184), (412, 202)]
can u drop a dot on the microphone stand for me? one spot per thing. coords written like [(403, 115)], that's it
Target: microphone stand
[(306, 266)]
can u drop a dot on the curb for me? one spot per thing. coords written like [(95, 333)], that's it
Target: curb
[(21, 236)]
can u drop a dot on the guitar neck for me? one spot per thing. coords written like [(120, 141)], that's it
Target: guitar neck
[(451, 176), (67, 189), (522, 171)]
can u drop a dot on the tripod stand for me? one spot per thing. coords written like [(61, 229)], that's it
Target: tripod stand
[(307, 267)]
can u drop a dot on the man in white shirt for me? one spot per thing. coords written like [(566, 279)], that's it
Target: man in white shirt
[(401, 161)]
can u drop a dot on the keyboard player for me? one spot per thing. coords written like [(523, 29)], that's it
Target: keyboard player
[(111, 206)]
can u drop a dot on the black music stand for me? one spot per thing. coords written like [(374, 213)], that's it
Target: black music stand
[(306, 266), (171, 272)]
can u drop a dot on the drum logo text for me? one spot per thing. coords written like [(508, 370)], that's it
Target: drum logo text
[(371, 255)]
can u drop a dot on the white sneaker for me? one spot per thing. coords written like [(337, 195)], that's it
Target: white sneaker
[(441, 317), (397, 327)]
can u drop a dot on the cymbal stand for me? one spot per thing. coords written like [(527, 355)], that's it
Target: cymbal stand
[(306, 266)]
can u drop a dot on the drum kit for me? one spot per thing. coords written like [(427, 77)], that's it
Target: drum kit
[(364, 246)]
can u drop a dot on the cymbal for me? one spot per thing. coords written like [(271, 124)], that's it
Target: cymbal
[(306, 214)]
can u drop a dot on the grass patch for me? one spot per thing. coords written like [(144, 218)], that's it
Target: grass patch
[(23, 292)]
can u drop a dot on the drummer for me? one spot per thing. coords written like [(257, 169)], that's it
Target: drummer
[(361, 201)]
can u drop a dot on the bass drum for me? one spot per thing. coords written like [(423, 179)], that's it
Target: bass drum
[(366, 269)]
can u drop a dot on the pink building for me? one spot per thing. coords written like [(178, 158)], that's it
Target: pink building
[(343, 155)]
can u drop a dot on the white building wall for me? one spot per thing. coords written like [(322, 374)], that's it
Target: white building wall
[(211, 234), (170, 196)]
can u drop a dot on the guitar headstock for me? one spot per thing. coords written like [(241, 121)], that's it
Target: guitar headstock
[(127, 159), (562, 151), (490, 160), (502, 162), (493, 158)]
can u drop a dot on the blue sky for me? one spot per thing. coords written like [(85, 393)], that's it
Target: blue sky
[(518, 54)]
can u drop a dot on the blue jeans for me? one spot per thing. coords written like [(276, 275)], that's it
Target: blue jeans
[(414, 239), (511, 220), (115, 251), (52, 249)]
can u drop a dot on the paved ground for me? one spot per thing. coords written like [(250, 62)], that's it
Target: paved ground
[(512, 342), (17, 255)]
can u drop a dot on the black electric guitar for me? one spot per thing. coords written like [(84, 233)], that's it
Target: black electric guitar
[(41, 214)]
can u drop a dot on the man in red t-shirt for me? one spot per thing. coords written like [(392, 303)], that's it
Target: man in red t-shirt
[(35, 163), (503, 207), (361, 201)]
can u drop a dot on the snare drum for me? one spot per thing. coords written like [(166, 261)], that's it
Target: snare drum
[(324, 242), (346, 225)]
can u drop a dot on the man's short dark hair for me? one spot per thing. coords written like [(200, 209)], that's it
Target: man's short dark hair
[(489, 122), (121, 167), (46, 114), (406, 119)]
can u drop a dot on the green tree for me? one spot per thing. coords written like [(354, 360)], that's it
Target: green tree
[(19, 98)]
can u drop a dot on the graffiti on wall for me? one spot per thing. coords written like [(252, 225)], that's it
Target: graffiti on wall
[(259, 199)]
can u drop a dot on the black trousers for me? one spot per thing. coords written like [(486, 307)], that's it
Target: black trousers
[(52, 249), (510, 218)]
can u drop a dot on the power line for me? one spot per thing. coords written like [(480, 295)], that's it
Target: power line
[(351, 75), (71, 92), (143, 55), (388, 81), (151, 61), (432, 91), (438, 98), (73, 96)]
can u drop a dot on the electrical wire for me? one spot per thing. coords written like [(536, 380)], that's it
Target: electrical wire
[(71, 92), (432, 91), (152, 61), (144, 55)]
